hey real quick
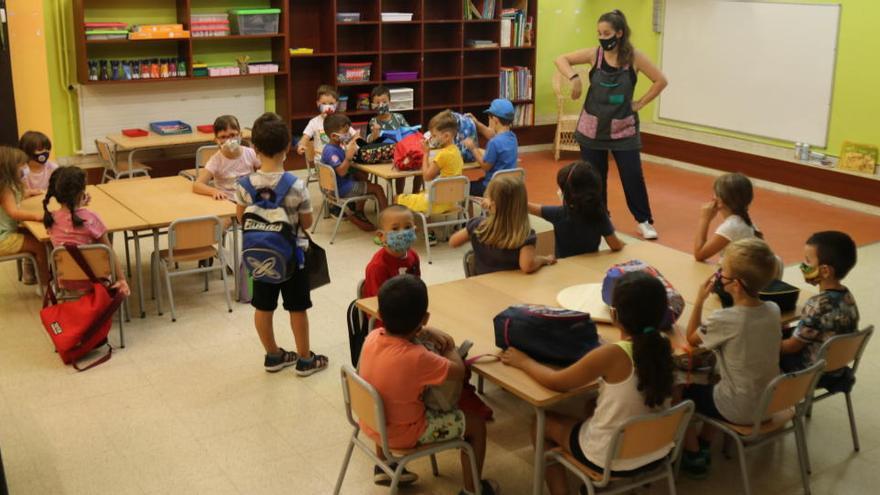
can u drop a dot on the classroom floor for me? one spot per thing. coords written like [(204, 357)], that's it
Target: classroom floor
[(187, 408)]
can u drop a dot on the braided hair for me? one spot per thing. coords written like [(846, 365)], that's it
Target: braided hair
[(735, 191), (67, 185)]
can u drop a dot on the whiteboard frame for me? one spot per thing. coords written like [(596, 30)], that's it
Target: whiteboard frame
[(825, 137)]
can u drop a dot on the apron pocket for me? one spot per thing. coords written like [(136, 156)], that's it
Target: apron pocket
[(623, 128), (588, 124)]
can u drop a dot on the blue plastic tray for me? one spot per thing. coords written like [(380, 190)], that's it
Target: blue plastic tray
[(170, 127)]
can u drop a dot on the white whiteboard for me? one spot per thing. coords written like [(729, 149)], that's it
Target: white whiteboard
[(765, 69), (108, 109)]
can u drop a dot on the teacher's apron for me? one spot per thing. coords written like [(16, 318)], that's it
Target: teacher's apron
[(607, 121)]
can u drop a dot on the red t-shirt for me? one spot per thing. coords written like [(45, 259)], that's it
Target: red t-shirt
[(385, 265)]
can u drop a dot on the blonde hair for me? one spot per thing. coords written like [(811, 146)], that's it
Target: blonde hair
[(11, 160), (752, 262), (444, 121), (508, 226)]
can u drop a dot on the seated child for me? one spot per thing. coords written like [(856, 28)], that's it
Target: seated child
[(386, 120), (733, 195), (73, 223), (397, 233), (12, 189), (504, 240), (314, 131), (634, 374), (338, 153), (39, 168), (401, 369), (745, 338), (446, 163), (502, 150), (229, 163), (582, 221), (828, 258)]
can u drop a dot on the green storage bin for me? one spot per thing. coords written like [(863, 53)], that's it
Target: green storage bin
[(254, 21)]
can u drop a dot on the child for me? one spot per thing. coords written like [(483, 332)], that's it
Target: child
[(386, 120), (338, 153), (582, 221), (634, 374), (314, 131), (733, 195), (746, 339), (400, 370), (828, 258), (12, 188), (229, 163), (446, 163), (37, 146), (501, 152), (73, 223), (271, 139), (503, 240), (397, 233)]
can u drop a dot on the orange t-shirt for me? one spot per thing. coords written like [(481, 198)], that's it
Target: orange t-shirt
[(400, 370)]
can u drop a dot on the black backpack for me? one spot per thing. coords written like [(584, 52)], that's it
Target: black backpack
[(358, 328)]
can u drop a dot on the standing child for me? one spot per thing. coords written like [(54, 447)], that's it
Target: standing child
[(504, 240), (73, 223), (12, 160), (634, 374), (339, 153), (582, 221), (386, 120), (327, 100), (502, 150), (401, 369), (733, 195), (37, 147), (746, 339), (229, 163), (271, 139), (828, 258)]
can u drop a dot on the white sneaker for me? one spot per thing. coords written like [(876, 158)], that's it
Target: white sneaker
[(647, 230)]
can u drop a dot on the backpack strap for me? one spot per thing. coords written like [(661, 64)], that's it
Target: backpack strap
[(248, 187), (77, 256), (283, 187)]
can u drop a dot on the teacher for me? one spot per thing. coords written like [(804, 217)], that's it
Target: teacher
[(609, 120)]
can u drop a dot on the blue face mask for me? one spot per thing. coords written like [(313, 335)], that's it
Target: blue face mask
[(400, 241)]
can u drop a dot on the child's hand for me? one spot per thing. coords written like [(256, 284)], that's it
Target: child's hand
[(550, 260), (707, 288), (87, 198), (218, 195), (301, 149), (376, 129), (471, 116), (443, 342), (709, 210), (514, 357), (469, 144), (122, 286), (351, 149)]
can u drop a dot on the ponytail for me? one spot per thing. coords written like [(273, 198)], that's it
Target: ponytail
[(641, 305), (625, 51), (48, 219), (67, 185), (581, 191)]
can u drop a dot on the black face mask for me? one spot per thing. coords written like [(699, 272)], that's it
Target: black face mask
[(726, 298), (609, 43)]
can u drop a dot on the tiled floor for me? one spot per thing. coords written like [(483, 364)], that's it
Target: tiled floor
[(187, 408)]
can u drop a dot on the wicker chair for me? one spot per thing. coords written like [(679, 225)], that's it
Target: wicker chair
[(565, 123)]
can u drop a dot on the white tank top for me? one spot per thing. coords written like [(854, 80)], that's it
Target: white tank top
[(617, 403)]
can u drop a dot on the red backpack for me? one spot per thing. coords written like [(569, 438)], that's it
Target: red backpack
[(77, 327), (410, 152)]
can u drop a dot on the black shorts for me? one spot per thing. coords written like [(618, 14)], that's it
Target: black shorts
[(574, 446), (477, 188), (295, 292), (704, 400)]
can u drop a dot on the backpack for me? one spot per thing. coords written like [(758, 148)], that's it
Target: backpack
[(358, 328), (410, 152), (549, 335), (675, 300), (466, 130), (268, 240), (371, 153)]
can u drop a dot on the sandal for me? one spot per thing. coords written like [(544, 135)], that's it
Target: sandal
[(312, 365)]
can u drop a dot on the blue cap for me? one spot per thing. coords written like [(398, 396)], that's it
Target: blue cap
[(501, 108)]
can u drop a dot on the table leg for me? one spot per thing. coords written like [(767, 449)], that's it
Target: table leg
[(131, 162), (538, 477), (390, 190), (140, 272), (236, 256)]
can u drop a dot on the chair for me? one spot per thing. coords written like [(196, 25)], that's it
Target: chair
[(838, 352), (18, 258), (469, 263), (521, 172), (445, 190), (329, 187), (637, 437), (111, 170), (566, 124), (203, 154), (784, 401), (190, 239), (311, 167), (67, 272), (363, 401)]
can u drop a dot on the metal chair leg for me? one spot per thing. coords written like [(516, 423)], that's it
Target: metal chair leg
[(225, 284), (480, 384), (395, 478), (338, 221), (803, 457), (852, 421), (170, 293), (154, 275), (670, 478), (344, 469), (741, 453), (472, 459), (434, 468), (319, 216)]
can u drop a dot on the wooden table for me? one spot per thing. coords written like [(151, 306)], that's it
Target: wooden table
[(155, 141), (161, 201), (389, 173)]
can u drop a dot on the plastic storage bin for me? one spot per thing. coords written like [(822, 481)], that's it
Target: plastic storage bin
[(401, 99), (353, 72), (401, 75), (205, 29), (342, 104), (170, 127), (348, 17), (254, 21)]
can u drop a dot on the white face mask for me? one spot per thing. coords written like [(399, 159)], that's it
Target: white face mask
[(232, 145), (327, 109)]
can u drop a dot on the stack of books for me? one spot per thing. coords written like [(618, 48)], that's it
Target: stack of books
[(480, 44), (515, 83), (516, 28), (524, 115), (471, 12)]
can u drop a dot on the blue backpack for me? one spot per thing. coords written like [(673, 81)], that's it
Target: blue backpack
[(549, 335), (269, 245)]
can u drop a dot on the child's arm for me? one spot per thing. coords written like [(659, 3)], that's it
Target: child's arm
[(479, 156), (614, 242), (530, 261), (693, 337), (306, 220), (792, 345), (430, 169), (459, 238), (535, 209), (121, 283), (456, 365), (375, 131), (302, 146), (350, 151), (239, 213), (29, 193), (483, 129), (200, 186), (704, 249), (586, 370), (7, 202)]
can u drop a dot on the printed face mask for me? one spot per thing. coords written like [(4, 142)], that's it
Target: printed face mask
[(326, 108), (811, 273), (434, 142), (608, 43), (232, 145), (343, 138), (382, 108), (400, 240), (41, 157)]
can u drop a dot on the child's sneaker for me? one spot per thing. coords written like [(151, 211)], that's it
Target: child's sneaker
[(487, 487), (316, 363), (276, 363), (432, 239), (380, 477), (694, 465)]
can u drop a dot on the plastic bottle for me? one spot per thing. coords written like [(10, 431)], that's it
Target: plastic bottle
[(114, 70), (154, 69), (126, 70), (163, 69), (181, 68), (145, 69), (93, 70), (172, 67)]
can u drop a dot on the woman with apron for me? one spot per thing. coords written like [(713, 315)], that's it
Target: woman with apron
[(609, 120)]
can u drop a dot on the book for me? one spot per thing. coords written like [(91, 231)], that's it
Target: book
[(506, 27)]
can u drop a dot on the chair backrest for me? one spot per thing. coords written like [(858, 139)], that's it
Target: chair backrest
[(310, 150), (562, 87), (98, 256), (327, 178), (360, 288), (194, 233), (786, 391), (470, 264), (204, 153), (840, 350), (448, 190), (106, 152), (363, 402), (519, 172)]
